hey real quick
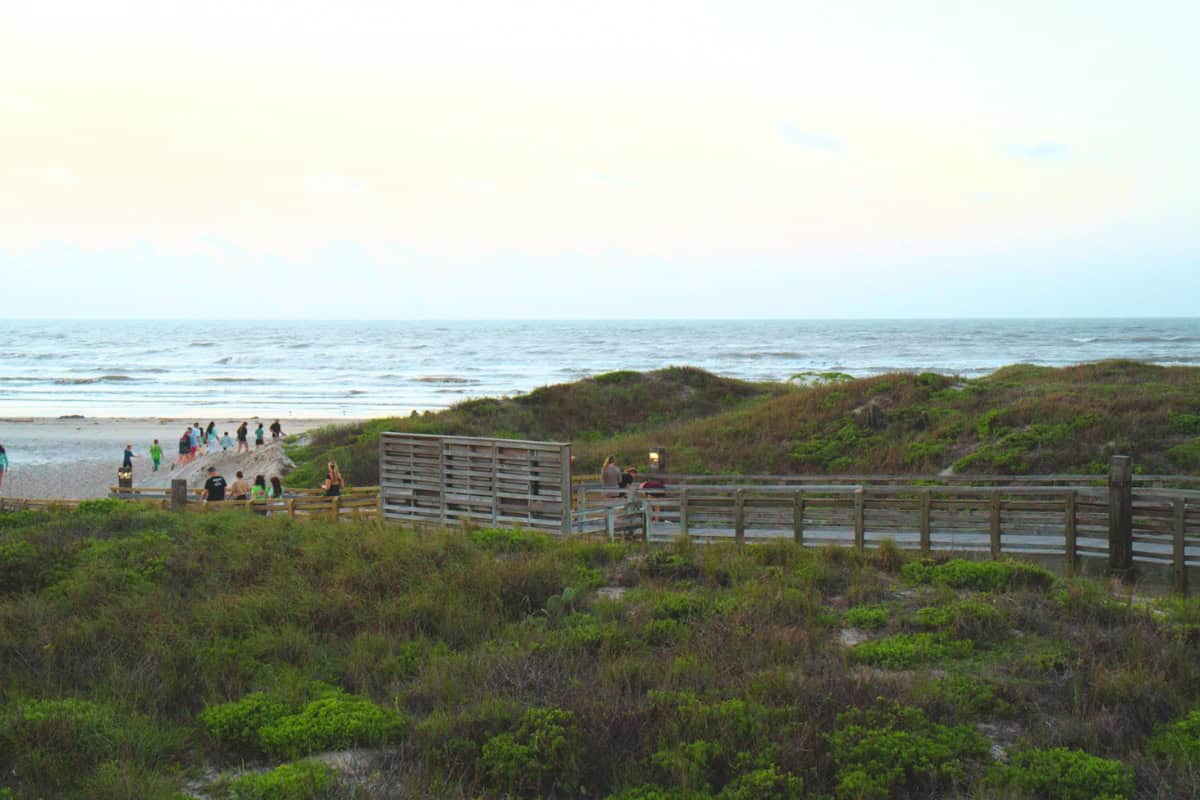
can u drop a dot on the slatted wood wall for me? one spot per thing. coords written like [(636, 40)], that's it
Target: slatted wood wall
[(453, 479)]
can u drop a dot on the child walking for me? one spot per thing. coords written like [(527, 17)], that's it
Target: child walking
[(156, 454)]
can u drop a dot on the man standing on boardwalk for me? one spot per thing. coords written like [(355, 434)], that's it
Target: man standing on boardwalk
[(214, 487)]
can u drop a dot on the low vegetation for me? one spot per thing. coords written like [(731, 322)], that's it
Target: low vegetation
[(1020, 419), (151, 655)]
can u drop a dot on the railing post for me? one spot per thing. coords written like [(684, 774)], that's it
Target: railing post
[(337, 507), (179, 494), (798, 517), (683, 512), (611, 523), (1179, 556), (739, 516), (994, 527), (1120, 516), (1072, 558), (926, 539), (860, 519)]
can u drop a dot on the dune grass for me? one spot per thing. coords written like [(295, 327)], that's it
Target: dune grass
[(1020, 419), (137, 647)]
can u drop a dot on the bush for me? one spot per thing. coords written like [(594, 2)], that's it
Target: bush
[(510, 540), (892, 749), (303, 780), (334, 722), (905, 650), (235, 726), (543, 755), (866, 617), (767, 783), (1178, 742), (1059, 773)]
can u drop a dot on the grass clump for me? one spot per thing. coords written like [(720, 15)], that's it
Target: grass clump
[(542, 756), (892, 750), (301, 780), (1060, 773)]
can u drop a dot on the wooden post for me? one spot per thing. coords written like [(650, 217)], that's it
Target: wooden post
[(612, 525), (683, 511), (994, 528), (1120, 516), (798, 517), (337, 508), (860, 519), (292, 508), (926, 538), (739, 516), (564, 489), (1179, 558), (379, 503), (1072, 536), (179, 494)]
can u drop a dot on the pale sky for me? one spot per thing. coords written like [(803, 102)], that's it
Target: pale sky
[(593, 160)]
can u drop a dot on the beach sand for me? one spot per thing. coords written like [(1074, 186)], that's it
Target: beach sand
[(78, 457)]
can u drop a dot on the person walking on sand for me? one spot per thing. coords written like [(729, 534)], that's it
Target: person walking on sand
[(185, 447), (226, 442), (195, 439), (242, 443), (239, 489), (3, 465), (610, 477), (156, 454), (214, 487), (258, 436), (333, 481), (276, 430), (127, 460)]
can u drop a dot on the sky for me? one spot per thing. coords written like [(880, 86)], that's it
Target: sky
[(560, 159)]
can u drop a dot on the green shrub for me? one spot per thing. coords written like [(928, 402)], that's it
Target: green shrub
[(981, 576), (334, 722), (652, 792), (236, 725), (868, 617), (543, 755), (510, 540), (1178, 742), (905, 650), (767, 783), (1059, 773), (302, 780), (971, 618), (891, 749), (109, 505)]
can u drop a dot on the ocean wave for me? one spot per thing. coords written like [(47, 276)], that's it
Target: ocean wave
[(203, 344), (233, 380), (85, 381), (444, 379), (224, 360)]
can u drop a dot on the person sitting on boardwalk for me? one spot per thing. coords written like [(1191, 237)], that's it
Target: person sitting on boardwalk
[(650, 489), (610, 477), (276, 488), (628, 477), (333, 481), (239, 488)]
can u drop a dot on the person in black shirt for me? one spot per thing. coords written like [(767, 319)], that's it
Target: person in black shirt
[(214, 487), (276, 430)]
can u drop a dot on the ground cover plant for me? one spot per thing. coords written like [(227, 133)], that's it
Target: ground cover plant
[(155, 655)]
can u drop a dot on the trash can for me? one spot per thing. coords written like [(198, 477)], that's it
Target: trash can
[(124, 482)]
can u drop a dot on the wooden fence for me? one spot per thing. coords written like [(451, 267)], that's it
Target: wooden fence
[(500, 482)]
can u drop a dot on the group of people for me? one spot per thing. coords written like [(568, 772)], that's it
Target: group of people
[(197, 440), (613, 480), (216, 489)]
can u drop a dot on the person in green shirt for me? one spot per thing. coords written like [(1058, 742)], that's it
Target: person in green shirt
[(156, 454)]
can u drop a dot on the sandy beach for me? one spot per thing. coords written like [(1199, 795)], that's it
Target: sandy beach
[(78, 457)]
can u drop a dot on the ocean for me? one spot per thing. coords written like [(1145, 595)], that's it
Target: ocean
[(365, 369)]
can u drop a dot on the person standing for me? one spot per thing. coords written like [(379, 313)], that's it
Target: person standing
[(3, 465), (185, 448), (194, 436), (210, 436), (276, 430), (156, 454), (127, 460), (610, 477), (258, 436), (226, 442), (214, 487), (242, 443)]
